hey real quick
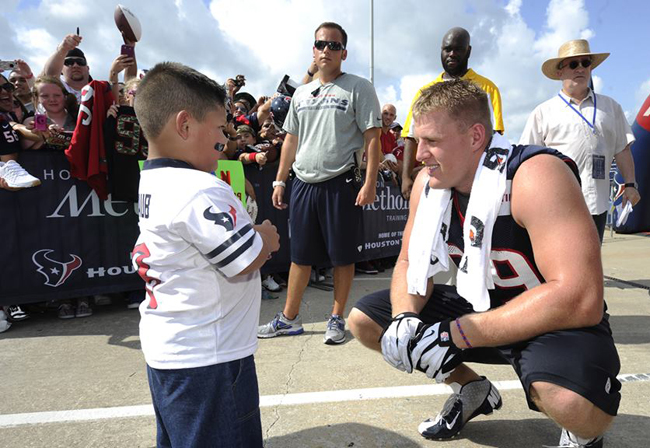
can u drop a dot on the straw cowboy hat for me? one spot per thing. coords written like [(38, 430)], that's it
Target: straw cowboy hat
[(572, 48)]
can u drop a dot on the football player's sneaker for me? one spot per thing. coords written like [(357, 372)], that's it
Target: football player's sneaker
[(474, 398), (280, 326), (570, 440), (335, 333)]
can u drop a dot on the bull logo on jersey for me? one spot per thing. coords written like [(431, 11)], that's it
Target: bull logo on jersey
[(495, 159), (476, 230), (55, 272), (226, 220)]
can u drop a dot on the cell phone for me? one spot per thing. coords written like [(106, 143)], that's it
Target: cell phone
[(128, 50), (40, 122), (7, 65), (77, 31)]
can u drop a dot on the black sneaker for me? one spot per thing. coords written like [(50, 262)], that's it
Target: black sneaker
[(16, 313), (365, 267), (475, 398)]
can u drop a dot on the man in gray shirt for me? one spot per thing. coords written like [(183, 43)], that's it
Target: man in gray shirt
[(331, 121)]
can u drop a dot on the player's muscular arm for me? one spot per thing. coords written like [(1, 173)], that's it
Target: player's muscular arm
[(401, 300), (547, 201), (270, 244)]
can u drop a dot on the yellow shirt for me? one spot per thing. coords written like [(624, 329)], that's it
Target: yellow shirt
[(488, 86)]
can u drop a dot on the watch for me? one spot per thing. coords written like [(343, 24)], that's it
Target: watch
[(631, 185), (279, 183)]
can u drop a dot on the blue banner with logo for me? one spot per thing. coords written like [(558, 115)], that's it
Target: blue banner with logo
[(60, 241)]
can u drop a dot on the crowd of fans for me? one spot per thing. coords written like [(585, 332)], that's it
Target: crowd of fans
[(39, 111)]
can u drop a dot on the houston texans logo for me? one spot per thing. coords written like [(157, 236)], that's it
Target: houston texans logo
[(476, 230), (55, 272), (226, 220), (495, 158)]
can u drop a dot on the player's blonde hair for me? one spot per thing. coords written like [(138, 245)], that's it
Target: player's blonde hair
[(464, 101)]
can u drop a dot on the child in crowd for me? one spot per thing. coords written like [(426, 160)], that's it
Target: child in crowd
[(200, 255)]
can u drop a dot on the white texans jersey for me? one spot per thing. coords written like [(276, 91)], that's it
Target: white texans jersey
[(195, 237)]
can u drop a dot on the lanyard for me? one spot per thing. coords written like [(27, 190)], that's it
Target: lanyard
[(592, 125)]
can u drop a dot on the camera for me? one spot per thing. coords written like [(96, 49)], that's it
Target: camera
[(40, 122), (7, 65), (240, 80)]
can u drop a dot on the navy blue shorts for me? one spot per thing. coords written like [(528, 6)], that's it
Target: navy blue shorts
[(325, 226), (583, 360), (216, 405)]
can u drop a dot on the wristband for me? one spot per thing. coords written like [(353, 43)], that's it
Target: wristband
[(251, 156), (279, 183), (310, 73), (631, 185), (462, 333)]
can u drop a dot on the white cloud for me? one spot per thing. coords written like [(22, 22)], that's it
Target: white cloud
[(264, 39)]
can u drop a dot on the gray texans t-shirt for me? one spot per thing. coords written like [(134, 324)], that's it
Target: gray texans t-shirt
[(330, 120)]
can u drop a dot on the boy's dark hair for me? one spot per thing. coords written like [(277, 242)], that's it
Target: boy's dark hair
[(170, 87), (335, 26), (464, 101)]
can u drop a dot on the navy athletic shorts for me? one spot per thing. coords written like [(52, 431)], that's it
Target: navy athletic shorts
[(325, 227), (583, 360)]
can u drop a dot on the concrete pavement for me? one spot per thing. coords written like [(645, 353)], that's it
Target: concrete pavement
[(83, 383)]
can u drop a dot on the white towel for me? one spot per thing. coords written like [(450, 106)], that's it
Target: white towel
[(428, 244)]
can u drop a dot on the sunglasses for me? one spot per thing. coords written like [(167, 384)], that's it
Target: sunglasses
[(332, 45), (574, 64), (71, 61), (8, 87), (241, 109)]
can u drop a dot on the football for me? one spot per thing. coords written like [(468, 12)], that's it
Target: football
[(127, 23)]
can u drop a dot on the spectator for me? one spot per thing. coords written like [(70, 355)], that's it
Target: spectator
[(23, 80), (396, 130), (454, 54), (199, 254), (312, 73), (19, 110), (552, 328), (326, 206), (49, 95), (12, 175), (389, 142), (588, 127), (70, 63), (247, 152)]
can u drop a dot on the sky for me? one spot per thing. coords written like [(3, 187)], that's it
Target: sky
[(266, 39)]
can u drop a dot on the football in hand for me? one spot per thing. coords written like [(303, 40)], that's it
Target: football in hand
[(127, 23)]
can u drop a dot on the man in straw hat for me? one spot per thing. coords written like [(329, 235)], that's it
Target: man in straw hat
[(588, 127)]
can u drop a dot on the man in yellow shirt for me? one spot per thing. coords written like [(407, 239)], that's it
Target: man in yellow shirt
[(454, 55)]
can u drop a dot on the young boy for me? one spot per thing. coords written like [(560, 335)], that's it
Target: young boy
[(199, 255)]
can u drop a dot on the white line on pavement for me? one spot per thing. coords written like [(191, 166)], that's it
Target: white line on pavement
[(36, 418)]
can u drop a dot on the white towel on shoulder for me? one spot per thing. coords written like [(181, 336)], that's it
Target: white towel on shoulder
[(428, 243)]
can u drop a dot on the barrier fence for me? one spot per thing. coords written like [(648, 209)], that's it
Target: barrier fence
[(61, 241)]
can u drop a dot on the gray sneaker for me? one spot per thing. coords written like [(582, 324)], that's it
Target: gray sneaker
[(280, 326), (83, 310), (66, 311), (335, 333)]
